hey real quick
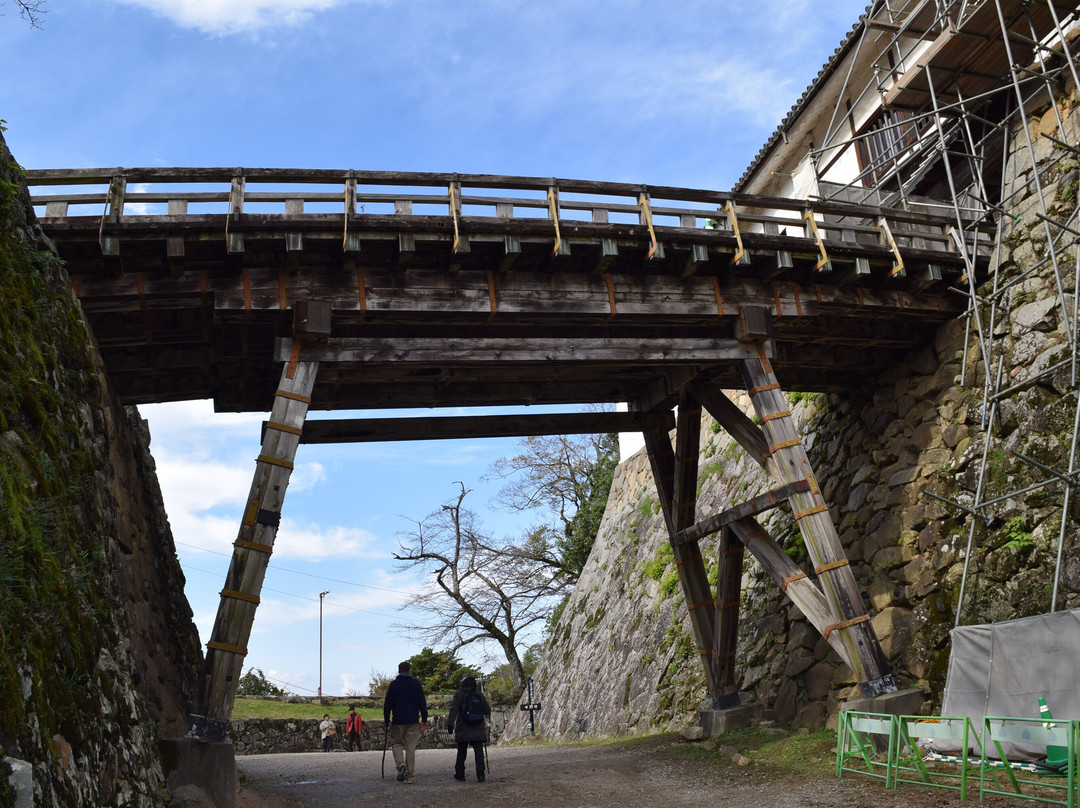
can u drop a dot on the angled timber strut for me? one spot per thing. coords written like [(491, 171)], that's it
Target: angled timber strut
[(298, 289)]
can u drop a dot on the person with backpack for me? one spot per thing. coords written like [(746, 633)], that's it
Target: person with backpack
[(468, 720)]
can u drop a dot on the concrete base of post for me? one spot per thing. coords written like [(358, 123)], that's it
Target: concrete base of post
[(899, 702), (717, 722), (209, 766)]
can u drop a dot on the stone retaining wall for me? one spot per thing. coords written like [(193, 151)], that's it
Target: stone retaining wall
[(262, 736)]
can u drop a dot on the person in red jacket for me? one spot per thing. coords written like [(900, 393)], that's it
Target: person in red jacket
[(353, 725)]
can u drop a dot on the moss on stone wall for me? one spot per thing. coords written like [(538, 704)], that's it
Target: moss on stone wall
[(68, 661)]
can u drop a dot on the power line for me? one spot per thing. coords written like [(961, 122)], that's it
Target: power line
[(304, 597), (298, 572)]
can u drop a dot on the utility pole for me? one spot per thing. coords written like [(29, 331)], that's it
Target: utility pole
[(322, 595)]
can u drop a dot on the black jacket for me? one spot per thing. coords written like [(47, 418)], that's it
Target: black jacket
[(405, 699), (466, 733)]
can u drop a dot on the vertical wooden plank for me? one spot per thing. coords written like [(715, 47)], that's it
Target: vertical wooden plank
[(350, 240), (113, 213), (726, 622), (294, 240), (235, 239), (406, 240), (676, 481)]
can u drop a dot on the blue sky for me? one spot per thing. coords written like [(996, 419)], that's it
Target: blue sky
[(679, 93)]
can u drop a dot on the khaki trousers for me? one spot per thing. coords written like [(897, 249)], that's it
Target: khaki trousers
[(404, 738)]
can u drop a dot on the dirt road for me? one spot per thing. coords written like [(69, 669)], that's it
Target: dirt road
[(657, 772)]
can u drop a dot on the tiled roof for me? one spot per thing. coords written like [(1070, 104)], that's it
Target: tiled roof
[(808, 94)]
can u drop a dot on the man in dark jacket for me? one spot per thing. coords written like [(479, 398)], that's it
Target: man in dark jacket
[(468, 720), (405, 701)]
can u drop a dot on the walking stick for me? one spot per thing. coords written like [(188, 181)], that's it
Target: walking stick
[(386, 735)]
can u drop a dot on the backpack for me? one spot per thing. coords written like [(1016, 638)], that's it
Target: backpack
[(472, 708)]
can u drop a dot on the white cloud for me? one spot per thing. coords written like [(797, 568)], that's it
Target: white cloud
[(306, 476), (312, 542), (222, 17)]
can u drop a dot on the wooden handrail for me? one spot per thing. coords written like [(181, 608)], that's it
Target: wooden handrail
[(689, 208)]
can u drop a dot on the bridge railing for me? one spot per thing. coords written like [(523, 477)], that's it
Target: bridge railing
[(115, 194)]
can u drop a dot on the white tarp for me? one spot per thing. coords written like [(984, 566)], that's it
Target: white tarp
[(1001, 669)]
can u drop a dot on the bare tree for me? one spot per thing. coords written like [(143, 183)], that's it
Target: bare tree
[(33, 11), (482, 591)]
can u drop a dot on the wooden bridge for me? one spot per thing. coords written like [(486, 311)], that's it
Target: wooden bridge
[(289, 289)]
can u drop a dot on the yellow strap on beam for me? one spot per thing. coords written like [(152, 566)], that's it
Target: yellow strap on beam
[(740, 255), (843, 562), (846, 624), (643, 201), (823, 262), (887, 238), (773, 416), (797, 576), (244, 596), (292, 430), (455, 205), (811, 511), (228, 649), (553, 210), (275, 461), (289, 394), (250, 545)]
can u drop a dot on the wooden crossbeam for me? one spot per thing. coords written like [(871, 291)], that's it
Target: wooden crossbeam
[(457, 351), (759, 504), (363, 430)]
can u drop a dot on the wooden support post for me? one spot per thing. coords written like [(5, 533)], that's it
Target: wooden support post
[(726, 622), (174, 243), (406, 240), (787, 462), (350, 240), (676, 484), (511, 243), (294, 240), (251, 550), (234, 239), (113, 213)]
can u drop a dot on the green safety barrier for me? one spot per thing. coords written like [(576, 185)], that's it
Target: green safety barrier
[(908, 764), (1033, 781), (864, 744)]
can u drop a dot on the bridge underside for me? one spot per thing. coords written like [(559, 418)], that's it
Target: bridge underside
[(428, 327), (375, 312)]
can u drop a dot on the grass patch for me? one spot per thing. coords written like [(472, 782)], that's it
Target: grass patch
[(270, 708), (795, 754)]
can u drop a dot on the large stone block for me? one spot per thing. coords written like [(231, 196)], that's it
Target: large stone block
[(717, 722), (207, 765)]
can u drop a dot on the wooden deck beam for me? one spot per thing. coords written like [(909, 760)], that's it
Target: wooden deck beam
[(363, 430)]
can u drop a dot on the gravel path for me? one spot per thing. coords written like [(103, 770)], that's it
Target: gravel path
[(651, 773)]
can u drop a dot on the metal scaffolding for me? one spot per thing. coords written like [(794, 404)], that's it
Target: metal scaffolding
[(960, 107)]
